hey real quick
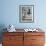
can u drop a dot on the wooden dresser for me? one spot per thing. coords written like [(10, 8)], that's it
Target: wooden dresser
[(23, 38)]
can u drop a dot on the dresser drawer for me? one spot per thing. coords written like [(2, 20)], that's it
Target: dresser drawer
[(37, 39), (12, 39), (13, 44), (37, 44), (34, 33), (13, 33)]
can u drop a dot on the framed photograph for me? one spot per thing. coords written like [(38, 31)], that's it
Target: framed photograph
[(26, 13)]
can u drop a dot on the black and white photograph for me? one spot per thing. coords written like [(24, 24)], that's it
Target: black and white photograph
[(26, 13)]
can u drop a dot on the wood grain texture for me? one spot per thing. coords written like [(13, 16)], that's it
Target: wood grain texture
[(12, 39), (23, 38), (34, 39)]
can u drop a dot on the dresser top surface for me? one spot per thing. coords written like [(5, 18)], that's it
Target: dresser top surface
[(22, 30)]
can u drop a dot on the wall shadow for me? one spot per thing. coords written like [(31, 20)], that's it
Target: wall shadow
[(2, 29)]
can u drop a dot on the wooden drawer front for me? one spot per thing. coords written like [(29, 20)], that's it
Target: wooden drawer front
[(33, 33), (8, 45), (27, 41), (37, 39), (12, 39), (33, 40), (20, 44), (37, 45), (13, 33)]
